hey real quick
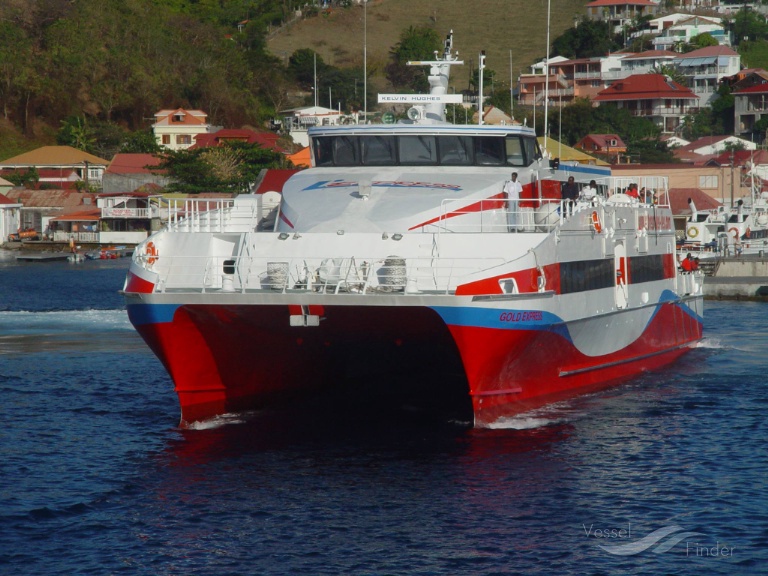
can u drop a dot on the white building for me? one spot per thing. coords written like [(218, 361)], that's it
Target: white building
[(178, 129), (685, 29), (705, 68)]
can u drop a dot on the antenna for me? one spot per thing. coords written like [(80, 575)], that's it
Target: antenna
[(480, 107), (546, 80)]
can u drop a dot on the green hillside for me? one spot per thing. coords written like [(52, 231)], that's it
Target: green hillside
[(496, 26)]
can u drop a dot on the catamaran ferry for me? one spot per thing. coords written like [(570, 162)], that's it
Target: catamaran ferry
[(404, 264)]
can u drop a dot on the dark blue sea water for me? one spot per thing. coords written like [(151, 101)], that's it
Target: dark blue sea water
[(663, 475)]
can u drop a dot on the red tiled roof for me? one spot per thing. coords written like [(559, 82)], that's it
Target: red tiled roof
[(189, 117), (6, 200), (719, 50), (603, 140), (82, 216), (621, 3), (267, 140), (756, 89), (274, 180), (741, 157), (57, 173), (691, 157), (644, 87), (701, 142), (52, 198), (132, 163), (678, 200)]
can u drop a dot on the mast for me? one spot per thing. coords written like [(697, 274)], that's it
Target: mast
[(365, 62), (546, 80)]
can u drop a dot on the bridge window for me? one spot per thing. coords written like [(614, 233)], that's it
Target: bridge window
[(378, 150), (455, 150), (515, 155), (425, 150), (489, 151), (417, 150)]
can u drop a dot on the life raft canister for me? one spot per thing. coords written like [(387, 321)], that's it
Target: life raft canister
[(151, 251)]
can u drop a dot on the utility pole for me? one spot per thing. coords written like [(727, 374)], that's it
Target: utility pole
[(511, 90)]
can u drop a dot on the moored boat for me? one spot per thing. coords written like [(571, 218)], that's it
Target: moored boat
[(404, 261)]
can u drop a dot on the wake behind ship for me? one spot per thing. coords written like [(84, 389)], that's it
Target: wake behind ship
[(404, 263)]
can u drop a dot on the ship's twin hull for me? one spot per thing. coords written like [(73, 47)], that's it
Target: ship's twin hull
[(233, 357)]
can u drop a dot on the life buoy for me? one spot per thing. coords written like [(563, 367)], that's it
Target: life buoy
[(692, 232), (596, 224), (151, 251), (734, 232)]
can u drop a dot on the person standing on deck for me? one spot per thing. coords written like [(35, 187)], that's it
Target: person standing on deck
[(512, 189)]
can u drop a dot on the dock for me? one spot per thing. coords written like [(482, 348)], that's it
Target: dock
[(43, 257)]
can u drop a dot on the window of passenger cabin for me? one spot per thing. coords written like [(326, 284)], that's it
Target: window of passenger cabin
[(417, 150), (489, 151), (455, 150), (378, 150)]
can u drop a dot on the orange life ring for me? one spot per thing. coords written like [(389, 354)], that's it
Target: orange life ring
[(596, 224), (734, 232), (151, 251)]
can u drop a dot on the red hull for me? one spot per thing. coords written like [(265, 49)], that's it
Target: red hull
[(233, 358)]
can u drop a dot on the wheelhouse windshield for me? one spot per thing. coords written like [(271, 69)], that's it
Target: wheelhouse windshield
[(425, 150)]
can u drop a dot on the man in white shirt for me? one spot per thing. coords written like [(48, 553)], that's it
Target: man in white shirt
[(512, 188), (589, 192)]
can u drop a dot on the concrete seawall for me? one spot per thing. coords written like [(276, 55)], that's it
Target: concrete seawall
[(743, 278)]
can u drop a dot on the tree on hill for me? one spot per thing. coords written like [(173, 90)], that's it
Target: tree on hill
[(416, 43), (702, 41), (640, 134), (588, 38), (229, 168)]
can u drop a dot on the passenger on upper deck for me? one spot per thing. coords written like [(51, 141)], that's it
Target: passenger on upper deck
[(632, 191), (589, 192), (570, 189)]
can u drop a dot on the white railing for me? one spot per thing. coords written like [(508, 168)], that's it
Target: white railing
[(125, 213), (353, 275), (196, 215), (63, 236)]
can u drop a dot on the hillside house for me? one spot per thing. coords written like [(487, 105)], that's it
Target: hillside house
[(705, 68), (10, 217), (297, 121), (38, 207), (129, 172), (653, 96), (178, 129), (620, 12), (750, 106), (58, 165), (609, 146), (685, 29)]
